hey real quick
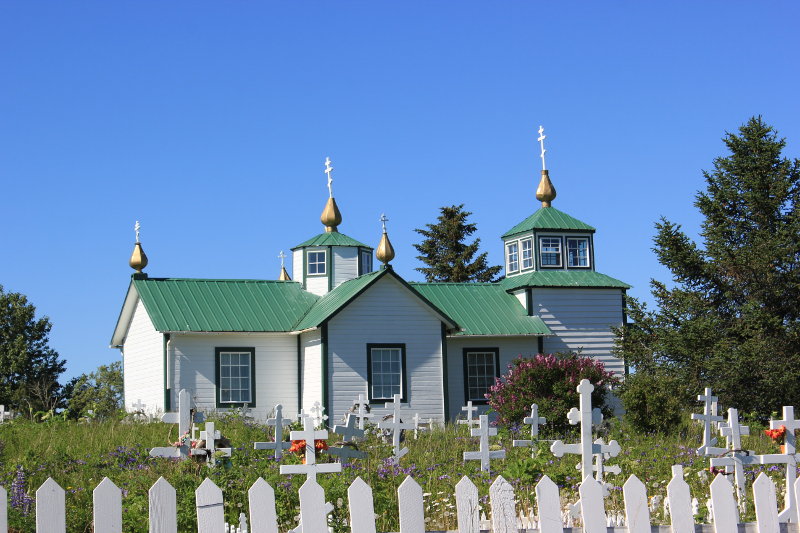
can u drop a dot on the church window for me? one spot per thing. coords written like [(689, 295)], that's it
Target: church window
[(316, 263), (235, 376), (481, 367), (527, 254), (512, 256), (578, 252), (365, 266), (550, 251), (386, 371)]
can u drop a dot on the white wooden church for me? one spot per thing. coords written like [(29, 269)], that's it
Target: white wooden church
[(338, 327)]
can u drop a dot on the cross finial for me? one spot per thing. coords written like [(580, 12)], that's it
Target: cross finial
[(384, 220), (282, 257), (541, 139), (136, 228), (329, 171)]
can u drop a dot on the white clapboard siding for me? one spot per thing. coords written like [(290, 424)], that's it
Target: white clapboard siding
[(261, 499), (345, 264), (766, 504), (297, 265), (107, 506), (163, 507), (411, 510), (143, 363), (467, 506), (311, 367)]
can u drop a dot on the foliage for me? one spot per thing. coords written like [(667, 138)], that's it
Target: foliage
[(550, 381), (731, 320), (447, 256), (99, 391), (655, 401), (29, 368)]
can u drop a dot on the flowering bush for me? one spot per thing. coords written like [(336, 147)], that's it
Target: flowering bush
[(550, 381)]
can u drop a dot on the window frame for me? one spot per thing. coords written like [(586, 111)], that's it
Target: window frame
[(588, 252), (364, 262), (522, 259), (324, 263), (466, 352), (560, 240), (508, 259), (218, 351), (403, 375)]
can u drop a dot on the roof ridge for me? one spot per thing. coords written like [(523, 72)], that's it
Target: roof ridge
[(219, 280)]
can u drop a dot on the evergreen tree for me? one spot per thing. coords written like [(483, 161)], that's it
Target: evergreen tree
[(29, 368), (447, 256), (731, 318)]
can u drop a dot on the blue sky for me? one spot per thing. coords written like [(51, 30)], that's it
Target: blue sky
[(210, 122)]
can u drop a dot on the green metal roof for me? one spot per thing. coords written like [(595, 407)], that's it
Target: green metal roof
[(548, 218), (482, 308), (223, 305), (563, 278), (333, 238)]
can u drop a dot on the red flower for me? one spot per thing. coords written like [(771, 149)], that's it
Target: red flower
[(776, 434)]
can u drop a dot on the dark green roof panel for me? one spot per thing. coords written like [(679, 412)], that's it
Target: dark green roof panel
[(482, 308), (333, 238), (223, 305), (563, 278), (548, 218)]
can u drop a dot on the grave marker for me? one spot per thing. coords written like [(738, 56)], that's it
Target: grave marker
[(362, 411), (349, 433), (484, 455), (4, 415), (184, 418), (278, 444), (790, 502), (470, 419), (210, 435), (709, 418), (396, 426), (310, 468), (318, 414), (534, 421)]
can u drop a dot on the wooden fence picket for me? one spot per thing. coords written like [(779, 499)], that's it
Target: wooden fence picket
[(210, 508), (467, 506), (637, 513), (504, 513), (313, 509), (592, 508), (3, 510), (50, 510), (412, 512), (548, 505), (163, 512), (261, 500), (797, 499), (361, 506), (726, 517), (680, 504), (107, 507), (766, 504)]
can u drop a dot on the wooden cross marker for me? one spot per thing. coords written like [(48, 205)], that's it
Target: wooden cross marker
[(4, 415), (417, 421), (396, 426), (484, 454), (184, 418), (278, 444), (470, 418), (709, 418), (310, 468), (733, 432), (586, 417), (362, 411), (790, 443), (535, 421), (349, 433), (600, 468), (210, 435), (318, 414)]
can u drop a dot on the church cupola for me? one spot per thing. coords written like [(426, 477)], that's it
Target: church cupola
[(385, 252), (325, 261), (545, 193), (138, 258)]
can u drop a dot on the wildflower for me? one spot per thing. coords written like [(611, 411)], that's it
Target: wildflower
[(776, 434)]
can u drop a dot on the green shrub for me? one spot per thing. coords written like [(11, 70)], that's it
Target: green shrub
[(550, 381), (656, 402)]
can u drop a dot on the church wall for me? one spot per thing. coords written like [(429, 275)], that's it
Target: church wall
[(143, 363), (345, 264), (509, 348), (387, 313), (297, 266), (581, 320), (311, 368), (522, 297), (193, 360)]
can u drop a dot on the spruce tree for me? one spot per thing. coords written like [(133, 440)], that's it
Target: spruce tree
[(730, 319), (447, 256)]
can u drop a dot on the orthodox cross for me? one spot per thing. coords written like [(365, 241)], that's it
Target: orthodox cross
[(384, 220), (484, 455), (417, 421), (733, 432), (362, 411), (470, 418), (396, 426), (210, 435), (541, 139), (534, 420), (349, 433), (282, 257), (136, 228), (184, 418), (600, 469), (318, 413), (278, 444), (329, 171), (139, 406), (310, 468), (791, 425), (709, 417), (586, 417)]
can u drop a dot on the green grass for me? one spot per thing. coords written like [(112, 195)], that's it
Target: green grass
[(78, 456)]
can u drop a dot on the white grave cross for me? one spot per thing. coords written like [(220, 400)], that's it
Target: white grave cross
[(586, 417), (396, 426), (349, 433), (709, 417), (470, 417), (362, 411), (484, 455), (318, 413), (278, 444), (210, 435), (791, 425), (310, 468), (733, 432), (535, 421), (4, 415), (184, 418)]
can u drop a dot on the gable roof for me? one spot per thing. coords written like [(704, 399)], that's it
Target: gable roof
[(333, 238), (548, 218), (482, 308), (563, 278), (334, 301)]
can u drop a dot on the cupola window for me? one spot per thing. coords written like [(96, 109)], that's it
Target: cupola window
[(550, 251), (316, 263), (512, 254), (578, 252), (527, 254)]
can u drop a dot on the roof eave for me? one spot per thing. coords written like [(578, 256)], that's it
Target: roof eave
[(125, 317)]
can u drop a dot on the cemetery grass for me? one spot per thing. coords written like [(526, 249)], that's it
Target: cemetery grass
[(77, 456)]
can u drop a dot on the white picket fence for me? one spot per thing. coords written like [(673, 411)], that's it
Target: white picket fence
[(51, 518)]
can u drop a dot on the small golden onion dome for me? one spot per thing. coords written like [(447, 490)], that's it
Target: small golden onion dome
[(331, 217), (385, 252), (284, 275), (545, 193), (138, 258)]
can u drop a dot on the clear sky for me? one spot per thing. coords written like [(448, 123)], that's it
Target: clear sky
[(210, 122)]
